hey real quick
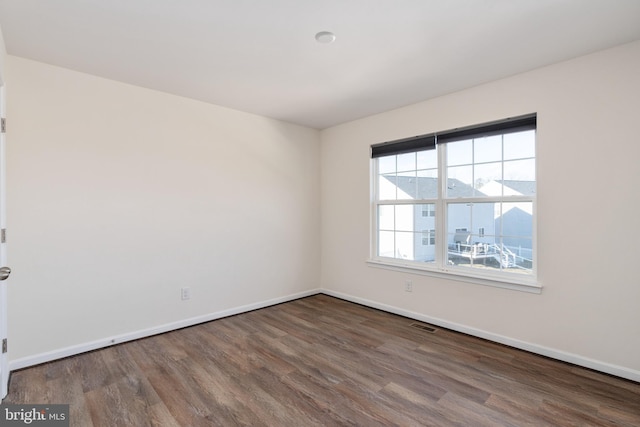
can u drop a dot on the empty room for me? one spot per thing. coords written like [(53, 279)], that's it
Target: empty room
[(297, 213)]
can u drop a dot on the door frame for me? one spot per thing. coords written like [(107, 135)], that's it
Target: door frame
[(4, 366)]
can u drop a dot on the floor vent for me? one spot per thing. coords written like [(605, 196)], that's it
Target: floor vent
[(424, 327)]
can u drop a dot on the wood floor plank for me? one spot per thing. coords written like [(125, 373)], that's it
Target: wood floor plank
[(374, 404), (127, 401), (322, 361), (524, 410), (564, 415), (423, 408), (26, 386), (323, 394), (470, 413), (68, 390)]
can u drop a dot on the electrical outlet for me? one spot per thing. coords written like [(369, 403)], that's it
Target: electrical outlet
[(185, 294), (408, 286)]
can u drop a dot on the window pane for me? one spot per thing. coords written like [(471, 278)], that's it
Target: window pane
[(387, 187), (428, 159), (407, 162), (471, 218), (487, 149), (516, 221), (483, 225), (427, 184), (386, 217), (472, 234), (404, 245), (515, 225), (425, 217), (520, 170), (425, 246), (458, 238), (404, 217), (407, 231), (386, 244), (407, 185), (387, 164), (486, 179), (523, 255), (459, 153), (460, 181), (425, 240), (520, 145), (458, 219)]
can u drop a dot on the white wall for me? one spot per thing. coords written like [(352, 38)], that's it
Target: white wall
[(119, 196), (3, 55), (588, 199)]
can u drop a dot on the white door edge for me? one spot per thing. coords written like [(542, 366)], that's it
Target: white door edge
[(4, 367)]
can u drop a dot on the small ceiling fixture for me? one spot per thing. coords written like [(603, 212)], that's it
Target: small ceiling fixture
[(325, 37)]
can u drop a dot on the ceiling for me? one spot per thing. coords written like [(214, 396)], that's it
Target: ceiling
[(260, 56)]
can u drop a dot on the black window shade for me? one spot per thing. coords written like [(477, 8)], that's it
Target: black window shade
[(406, 145), (511, 125), (428, 141)]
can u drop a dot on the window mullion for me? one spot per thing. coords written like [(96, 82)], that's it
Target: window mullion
[(441, 218), (375, 191)]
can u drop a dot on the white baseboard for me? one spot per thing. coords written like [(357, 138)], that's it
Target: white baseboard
[(37, 359), (575, 359)]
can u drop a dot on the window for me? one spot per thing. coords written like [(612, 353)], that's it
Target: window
[(429, 237), (428, 210), (459, 202)]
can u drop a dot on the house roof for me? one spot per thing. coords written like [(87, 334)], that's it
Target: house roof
[(523, 187), (427, 188)]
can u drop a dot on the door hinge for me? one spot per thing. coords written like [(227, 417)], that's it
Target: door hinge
[(4, 345), (3, 235), (3, 124)]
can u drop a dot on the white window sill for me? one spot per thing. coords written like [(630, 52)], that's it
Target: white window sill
[(523, 284)]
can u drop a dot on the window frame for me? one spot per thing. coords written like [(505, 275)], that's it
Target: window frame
[(440, 267)]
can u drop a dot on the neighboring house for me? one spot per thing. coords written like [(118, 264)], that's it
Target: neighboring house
[(467, 224), (419, 219), (516, 219)]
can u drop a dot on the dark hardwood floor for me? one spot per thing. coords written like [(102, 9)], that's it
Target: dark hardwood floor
[(321, 361)]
